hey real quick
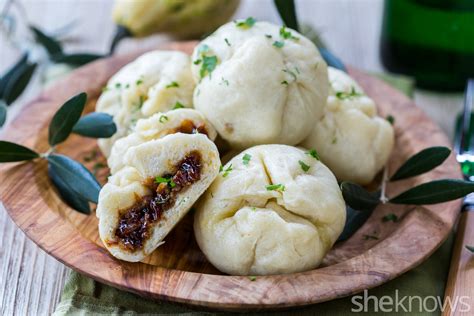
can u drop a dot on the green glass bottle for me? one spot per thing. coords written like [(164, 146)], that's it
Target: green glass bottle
[(430, 40)]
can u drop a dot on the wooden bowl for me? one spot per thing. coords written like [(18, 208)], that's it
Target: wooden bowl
[(178, 270)]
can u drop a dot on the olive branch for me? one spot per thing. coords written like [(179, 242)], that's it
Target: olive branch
[(74, 182)]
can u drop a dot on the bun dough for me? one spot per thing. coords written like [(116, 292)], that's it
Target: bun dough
[(144, 87), (155, 127), (350, 138), (146, 161), (259, 93), (245, 229)]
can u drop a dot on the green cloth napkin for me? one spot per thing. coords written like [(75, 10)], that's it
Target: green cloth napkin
[(84, 296)]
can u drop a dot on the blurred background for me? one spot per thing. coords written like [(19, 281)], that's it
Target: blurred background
[(352, 29), (30, 281)]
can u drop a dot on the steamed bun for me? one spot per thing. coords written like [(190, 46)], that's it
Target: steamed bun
[(259, 84), (350, 138), (273, 209), (155, 82), (187, 121), (143, 201)]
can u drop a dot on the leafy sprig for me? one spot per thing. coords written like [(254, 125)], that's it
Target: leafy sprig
[(361, 202), (74, 182), (14, 82)]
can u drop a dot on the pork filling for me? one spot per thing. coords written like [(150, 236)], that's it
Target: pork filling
[(188, 127), (135, 223)]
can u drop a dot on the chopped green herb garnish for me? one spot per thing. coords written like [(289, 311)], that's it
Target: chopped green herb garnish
[(168, 181), (139, 82), (367, 237), (163, 118), (268, 36), (224, 81), (470, 248), (118, 85), (390, 119), (390, 218), (245, 24), (246, 159), (252, 278), (278, 44), (225, 171), (227, 42), (313, 153), (275, 187), (285, 82), (287, 34), (304, 166), (342, 95), (178, 105), (197, 61), (209, 63), (127, 86), (254, 208), (105, 89), (173, 84)]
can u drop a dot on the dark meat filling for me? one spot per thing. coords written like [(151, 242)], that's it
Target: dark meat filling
[(188, 127), (135, 223)]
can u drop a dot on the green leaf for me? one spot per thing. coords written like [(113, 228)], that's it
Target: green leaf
[(287, 11), (313, 153), (13, 70), (76, 176), (10, 152), (275, 187), (390, 218), (226, 171), (354, 220), (246, 159), (65, 118), (422, 162), (278, 44), (3, 112), (303, 166), (358, 198), (178, 105), (51, 45), (95, 125), (121, 32), (209, 63), (470, 248), (76, 59), (18, 82), (169, 181), (434, 192), (68, 194), (245, 24)]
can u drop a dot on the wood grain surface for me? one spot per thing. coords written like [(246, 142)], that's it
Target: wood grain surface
[(461, 273), (179, 272)]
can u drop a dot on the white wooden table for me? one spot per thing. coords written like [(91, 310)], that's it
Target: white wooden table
[(31, 281)]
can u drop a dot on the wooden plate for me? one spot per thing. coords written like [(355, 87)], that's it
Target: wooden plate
[(178, 271)]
